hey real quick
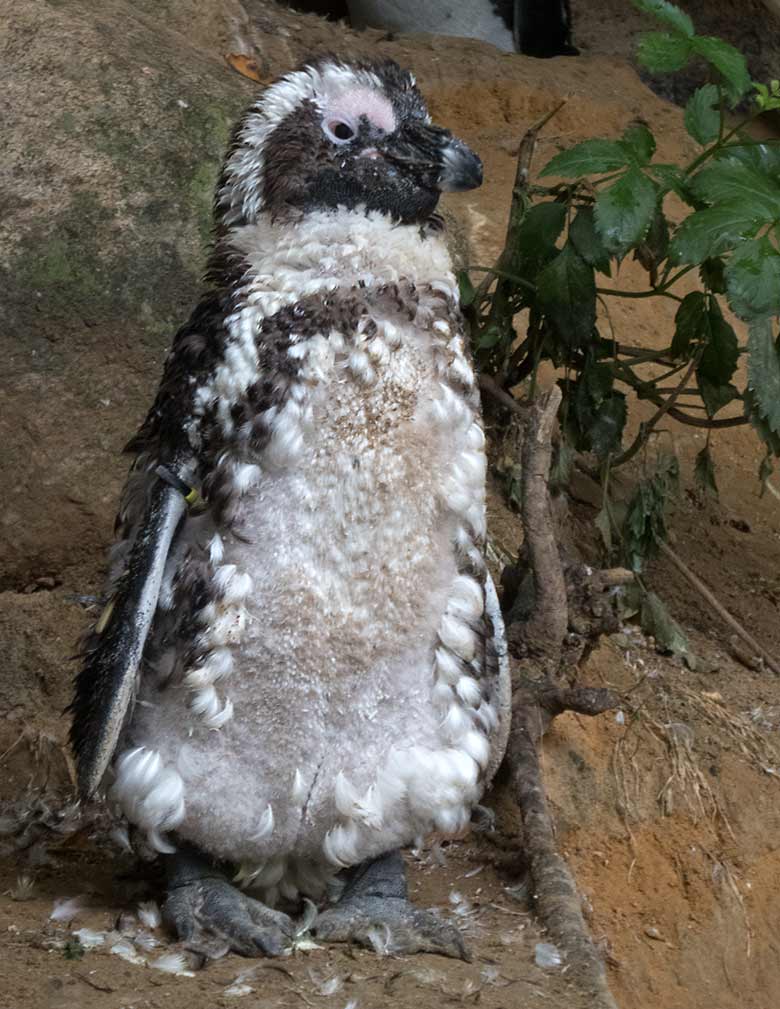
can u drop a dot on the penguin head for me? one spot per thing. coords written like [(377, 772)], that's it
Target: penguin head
[(336, 135)]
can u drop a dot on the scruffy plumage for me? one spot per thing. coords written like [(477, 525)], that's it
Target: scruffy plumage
[(302, 674)]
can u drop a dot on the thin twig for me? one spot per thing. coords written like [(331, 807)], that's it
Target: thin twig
[(722, 612), (489, 385), (646, 428)]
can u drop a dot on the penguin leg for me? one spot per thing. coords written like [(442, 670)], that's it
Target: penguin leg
[(207, 912), (374, 910)]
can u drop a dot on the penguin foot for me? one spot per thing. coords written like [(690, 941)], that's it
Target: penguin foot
[(211, 916), (374, 911)]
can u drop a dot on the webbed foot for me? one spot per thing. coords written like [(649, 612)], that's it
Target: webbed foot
[(207, 912), (374, 911)]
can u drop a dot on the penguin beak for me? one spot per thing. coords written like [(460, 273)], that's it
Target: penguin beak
[(461, 168), (431, 151)]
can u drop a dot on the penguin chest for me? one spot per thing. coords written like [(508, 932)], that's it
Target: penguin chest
[(317, 685)]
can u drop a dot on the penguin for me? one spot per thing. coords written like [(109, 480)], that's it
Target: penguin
[(301, 667)]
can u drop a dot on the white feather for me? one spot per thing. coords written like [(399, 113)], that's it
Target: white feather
[(266, 825)]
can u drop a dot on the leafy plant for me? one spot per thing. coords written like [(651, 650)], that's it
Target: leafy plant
[(567, 239)]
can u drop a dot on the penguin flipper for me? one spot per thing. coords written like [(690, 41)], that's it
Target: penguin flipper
[(107, 681)]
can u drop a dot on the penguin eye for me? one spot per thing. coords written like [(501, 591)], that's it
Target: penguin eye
[(339, 131)]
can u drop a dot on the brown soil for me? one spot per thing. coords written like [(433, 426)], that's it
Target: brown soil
[(674, 846)]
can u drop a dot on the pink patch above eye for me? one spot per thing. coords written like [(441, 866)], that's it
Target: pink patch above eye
[(356, 102)]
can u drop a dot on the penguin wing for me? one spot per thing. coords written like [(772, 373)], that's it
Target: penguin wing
[(107, 681)]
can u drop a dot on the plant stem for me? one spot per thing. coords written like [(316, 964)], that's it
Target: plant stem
[(638, 294), (646, 429), (504, 276)]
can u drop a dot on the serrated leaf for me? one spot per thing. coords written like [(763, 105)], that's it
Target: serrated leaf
[(597, 379), (759, 423), (730, 181), (704, 472), (713, 276), (645, 524), (586, 240), (688, 324), (591, 157), (710, 232), (652, 251), (624, 211), (662, 53), (764, 373), (639, 143), (539, 230), (764, 158), (560, 470), (719, 358), (606, 432), (489, 337), (604, 526), (753, 279), (702, 116), (715, 395), (668, 13), (672, 179), (566, 291), (728, 61), (466, 288), (718, 361), (669, 636)]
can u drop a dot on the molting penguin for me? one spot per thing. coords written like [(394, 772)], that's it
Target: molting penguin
[(301, 667)]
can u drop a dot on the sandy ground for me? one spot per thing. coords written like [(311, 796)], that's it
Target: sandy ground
[(671, 832)]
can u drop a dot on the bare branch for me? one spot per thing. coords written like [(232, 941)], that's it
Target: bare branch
[(722, 612)]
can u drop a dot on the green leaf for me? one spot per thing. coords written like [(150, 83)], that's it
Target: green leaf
[(753, 279), (672, 16), (719, 358), (563, 461), (718, 361), (765, 100), (764, 158), (639, 143), (652, 251), (489, 337), (585, 239), (672, 178), (764, 373), (467, 290), (645, 524), (760, 424), (712, 275), (624, 211), (702, 116), (604, 526), (708, 233), (704, 472), (714, 395), (669, 636), (588, 158), (662, 53), (597, 379), (688, 324), (728, 61), (606, 432), (732, 182), (539, 230), (73, 950), (566, 291)]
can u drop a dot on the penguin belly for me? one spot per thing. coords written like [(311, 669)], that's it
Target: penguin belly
[(335, 751)]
